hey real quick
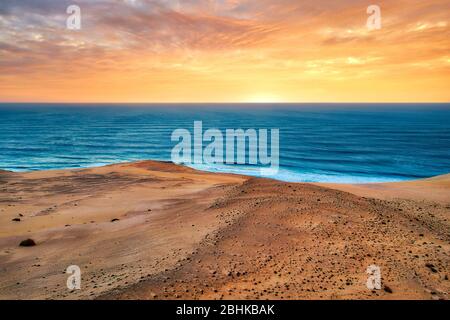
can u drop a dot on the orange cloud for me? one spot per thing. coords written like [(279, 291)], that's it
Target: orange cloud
[(229, 50)]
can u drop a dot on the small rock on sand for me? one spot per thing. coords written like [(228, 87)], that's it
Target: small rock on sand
[(431, 267), (27, 243)]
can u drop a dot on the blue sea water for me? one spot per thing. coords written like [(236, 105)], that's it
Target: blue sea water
[(353, 143)]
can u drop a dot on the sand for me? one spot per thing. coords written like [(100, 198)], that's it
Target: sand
[(434, 189), (154, 230)]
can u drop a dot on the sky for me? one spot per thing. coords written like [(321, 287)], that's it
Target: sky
[(225, 51)]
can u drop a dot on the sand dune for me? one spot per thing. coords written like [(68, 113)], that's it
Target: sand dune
[(154, 230), (433, 189)]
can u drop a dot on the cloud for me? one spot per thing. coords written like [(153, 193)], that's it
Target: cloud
[(239, 40)]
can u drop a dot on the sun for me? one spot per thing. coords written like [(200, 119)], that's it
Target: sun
[(263, 98)]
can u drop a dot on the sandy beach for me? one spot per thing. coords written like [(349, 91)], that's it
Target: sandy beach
[(155, 230)]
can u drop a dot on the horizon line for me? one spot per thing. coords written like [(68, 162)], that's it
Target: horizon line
[(218, 103)]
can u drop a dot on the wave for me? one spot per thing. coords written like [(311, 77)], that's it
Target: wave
[(297, 176)]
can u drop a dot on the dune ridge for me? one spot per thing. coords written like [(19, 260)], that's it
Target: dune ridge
[(155, 230)]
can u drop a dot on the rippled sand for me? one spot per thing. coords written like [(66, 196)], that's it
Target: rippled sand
[(153, 230)]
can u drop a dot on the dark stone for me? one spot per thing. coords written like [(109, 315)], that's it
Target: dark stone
[(16, 219), (431, 267), (114, 220), (27, 243), (387, 289)]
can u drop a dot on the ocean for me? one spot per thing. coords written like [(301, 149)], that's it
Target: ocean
[(344, 143)]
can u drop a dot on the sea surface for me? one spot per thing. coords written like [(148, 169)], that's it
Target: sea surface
[(346, 143)]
